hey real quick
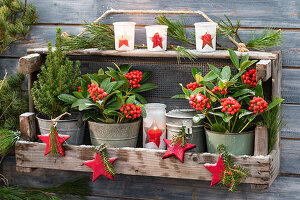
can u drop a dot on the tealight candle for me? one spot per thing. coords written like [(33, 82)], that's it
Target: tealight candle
[(124, 35), (156, 37), (205, 33)]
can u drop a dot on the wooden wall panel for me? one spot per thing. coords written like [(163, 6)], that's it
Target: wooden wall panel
[(290, 88), (291, 116), (290, 156)]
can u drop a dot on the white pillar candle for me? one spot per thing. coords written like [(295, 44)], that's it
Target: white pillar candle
[(124, 35), (206, 38), (154, 126), (156, 37)]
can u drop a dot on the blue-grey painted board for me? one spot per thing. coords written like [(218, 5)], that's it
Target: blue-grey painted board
[(291, 117), (290, 156), (252, 14), (290, 89), (10, 64)]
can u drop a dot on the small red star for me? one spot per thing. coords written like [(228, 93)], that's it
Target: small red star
[(216, 170), (207, 40), (98, 167), (177, 150), (157, 40), (123, 42), (59, 141)]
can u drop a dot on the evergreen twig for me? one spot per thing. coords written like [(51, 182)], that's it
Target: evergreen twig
[(180, 138), (267, 39), (102, 150)]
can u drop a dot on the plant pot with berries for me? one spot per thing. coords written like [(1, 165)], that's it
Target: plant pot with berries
[(232, 103), (112, 104), (58, 76)]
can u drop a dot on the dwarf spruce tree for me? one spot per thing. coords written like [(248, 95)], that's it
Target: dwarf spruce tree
[(58, 76)]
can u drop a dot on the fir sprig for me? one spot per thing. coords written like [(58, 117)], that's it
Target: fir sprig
[(228, 29), (102, 150), (8, 139), (267, 39), (180, 138)]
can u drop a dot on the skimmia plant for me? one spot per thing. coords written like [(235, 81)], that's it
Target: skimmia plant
[(230, 102), (111, 96)]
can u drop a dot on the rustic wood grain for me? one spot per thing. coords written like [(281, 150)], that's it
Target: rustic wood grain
[(28, 126), (30, 63), (263, 70), (261, 141)]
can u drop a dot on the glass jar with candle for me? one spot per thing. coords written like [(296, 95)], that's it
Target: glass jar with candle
[(154, 126), (206, 38), (156, 37), (124, 35)]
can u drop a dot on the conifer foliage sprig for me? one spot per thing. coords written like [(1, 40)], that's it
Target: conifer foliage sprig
[(233, 174), (180, 138), (16, 19), (102, 150), (57, 76)]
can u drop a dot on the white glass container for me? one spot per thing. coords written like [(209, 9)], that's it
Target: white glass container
[(124, 35), (156, 37), (154, 126), (206, 38)]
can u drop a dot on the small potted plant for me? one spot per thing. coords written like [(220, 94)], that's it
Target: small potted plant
[(57, 76), (231, 103), (112, 104)]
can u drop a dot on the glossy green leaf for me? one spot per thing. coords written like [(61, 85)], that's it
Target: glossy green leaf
[(67, 98), (259, 90), (144, 87), (130, 99), (226, 73), (141, 98), (178, 96), (244, 112), (146, 76), (227, 118), (78, 95), (247, 64), (274, 103), (196, 71), (210, 76), (198, 117), (242, 92), (234, 59)]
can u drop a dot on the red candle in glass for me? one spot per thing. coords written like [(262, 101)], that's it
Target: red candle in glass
[(154, 135)]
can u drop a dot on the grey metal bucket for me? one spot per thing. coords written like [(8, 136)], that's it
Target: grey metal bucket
[(235, 143), (114, 135), (73, 127), (195, 132)]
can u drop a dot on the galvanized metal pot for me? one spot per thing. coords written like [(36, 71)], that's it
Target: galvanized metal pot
[(235, 143), (114, 135), (73, 126)]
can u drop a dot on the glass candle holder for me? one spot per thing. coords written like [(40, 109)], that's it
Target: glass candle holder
[(156, 37), (206, 38), (124, 35), (154, 126)]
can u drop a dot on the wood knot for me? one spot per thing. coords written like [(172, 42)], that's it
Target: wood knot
[(195, 159)]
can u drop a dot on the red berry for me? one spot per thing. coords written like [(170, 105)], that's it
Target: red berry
[(258, 104), (250, 77), (230, 105)]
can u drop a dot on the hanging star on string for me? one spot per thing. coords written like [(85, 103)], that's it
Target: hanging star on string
[(177, 150), (157, 40), (207, 40), (55, 146), (216, 170), (98, 167), (123, 42)]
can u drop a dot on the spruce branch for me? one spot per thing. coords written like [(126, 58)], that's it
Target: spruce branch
[(267, 39), (102, 151)]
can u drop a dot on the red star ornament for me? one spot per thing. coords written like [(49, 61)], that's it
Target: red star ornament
[(59, 140), (157, 40), (98, 167), (123, 42), (216, 170), (177, 150), (207, 40)]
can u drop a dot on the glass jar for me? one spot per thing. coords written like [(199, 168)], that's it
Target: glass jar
[(156, 37), (124, 35), (206, 38)]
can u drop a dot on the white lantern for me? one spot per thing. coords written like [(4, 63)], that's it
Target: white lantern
[(124, 35), (206, 38), (154, 126), (156, 37)]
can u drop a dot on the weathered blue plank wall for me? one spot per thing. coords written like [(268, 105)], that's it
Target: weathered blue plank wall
[(69, 14)]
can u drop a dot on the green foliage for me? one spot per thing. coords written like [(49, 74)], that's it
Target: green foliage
[(118, 91), (58, 76), (228, 29), (12, 102), (180, 138), (102, 151), (16, 19), (233, 174), (8, 139), (267, 39), (99, 36)]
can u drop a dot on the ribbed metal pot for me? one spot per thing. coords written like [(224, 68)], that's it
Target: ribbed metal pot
[(235, 143), (114, 135), (73, 127), (195, 132)]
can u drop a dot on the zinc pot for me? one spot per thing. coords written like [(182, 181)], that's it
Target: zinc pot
[(114, 135), (235, 143), (72, 126), (195, 131)]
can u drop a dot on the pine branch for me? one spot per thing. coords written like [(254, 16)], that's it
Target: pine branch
[(8, 139), (180, 138), (102, 150), (267, 39)]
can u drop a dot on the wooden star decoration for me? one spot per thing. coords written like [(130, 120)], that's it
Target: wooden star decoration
[(123, 42), (157, 40), (216, 170), (59, 140), (207, 40), (177, 150), (98, 167)]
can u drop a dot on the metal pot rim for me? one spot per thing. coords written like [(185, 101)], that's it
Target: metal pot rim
[(177, 126), (222, 133), (39, 117), (168, 114), (115, 124)]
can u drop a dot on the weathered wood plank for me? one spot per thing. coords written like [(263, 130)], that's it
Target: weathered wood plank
[(30, 63), (261, 141), (291, 117), (28, 126), (290, 156), (263, 70), (134, 161), (291, 85)]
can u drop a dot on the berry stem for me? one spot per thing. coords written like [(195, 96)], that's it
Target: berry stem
[(206, 114), (236, 116), (245, 126)]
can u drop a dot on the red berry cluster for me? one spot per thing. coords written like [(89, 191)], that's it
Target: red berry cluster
[(216, 89), (258, 105), (199, 101), (134, 77), (193, 86), (131, 111), (250, 77), (230, 105), (95, 92), (79, 88)]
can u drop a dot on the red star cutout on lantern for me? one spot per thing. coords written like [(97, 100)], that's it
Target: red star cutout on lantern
[(123, 42), (157, 40), (216, 170), (59, 141), (177, 150), (98, 167), (207, 40)]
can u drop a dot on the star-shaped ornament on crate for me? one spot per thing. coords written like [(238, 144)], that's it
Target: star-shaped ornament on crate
[(216, 169), (123, 40), (157, 40), (207, 40)]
